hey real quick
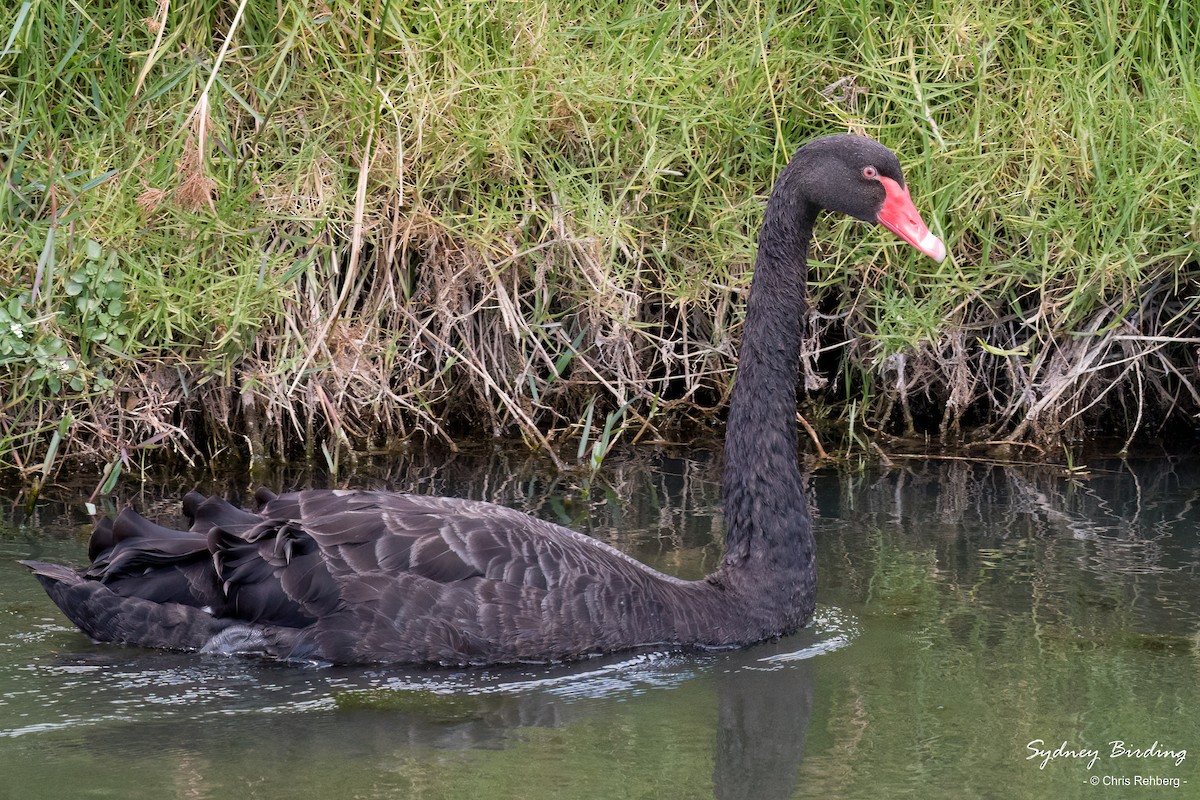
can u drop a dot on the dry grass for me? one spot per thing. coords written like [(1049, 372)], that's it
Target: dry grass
[(322, 228)]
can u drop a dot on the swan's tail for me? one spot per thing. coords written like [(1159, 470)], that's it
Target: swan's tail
[(152, 586), (106, 616)]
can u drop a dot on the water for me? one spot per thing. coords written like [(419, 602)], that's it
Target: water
[(965, 611)]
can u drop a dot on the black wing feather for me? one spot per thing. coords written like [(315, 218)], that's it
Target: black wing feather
[(368, 576)]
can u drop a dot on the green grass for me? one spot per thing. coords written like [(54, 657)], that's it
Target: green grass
[(467, 218)]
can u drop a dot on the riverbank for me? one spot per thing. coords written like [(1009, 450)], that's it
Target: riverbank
[(355, 225)]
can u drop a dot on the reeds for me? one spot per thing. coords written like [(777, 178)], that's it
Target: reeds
[(325, 227)]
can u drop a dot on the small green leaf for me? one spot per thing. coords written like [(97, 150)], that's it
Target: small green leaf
[(1023, 350), (96, 181), (112, 475)]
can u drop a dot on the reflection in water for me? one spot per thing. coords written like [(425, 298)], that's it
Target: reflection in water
[(963, 610), (763, 701), (763, 711)]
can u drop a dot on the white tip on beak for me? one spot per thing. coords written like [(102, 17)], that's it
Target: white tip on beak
[(932, 246)]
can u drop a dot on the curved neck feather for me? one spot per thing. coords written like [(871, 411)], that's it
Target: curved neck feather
[(766, 511)]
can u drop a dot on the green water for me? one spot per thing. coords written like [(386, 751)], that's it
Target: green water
[(964, 611)]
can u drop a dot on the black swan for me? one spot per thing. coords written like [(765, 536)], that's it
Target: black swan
[(356, 577)]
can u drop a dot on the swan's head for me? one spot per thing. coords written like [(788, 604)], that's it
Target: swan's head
[(860, 177)]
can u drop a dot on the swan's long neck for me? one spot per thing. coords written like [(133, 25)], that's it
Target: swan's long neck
[(769, 530)]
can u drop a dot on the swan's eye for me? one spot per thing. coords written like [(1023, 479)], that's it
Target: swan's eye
[(870, 172)]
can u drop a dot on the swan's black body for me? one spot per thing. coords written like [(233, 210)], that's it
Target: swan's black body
[(364, 576)]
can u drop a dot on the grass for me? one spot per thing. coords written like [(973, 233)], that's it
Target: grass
[(321, 227)]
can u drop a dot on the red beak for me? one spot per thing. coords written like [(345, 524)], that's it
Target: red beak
[(900, 216)]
